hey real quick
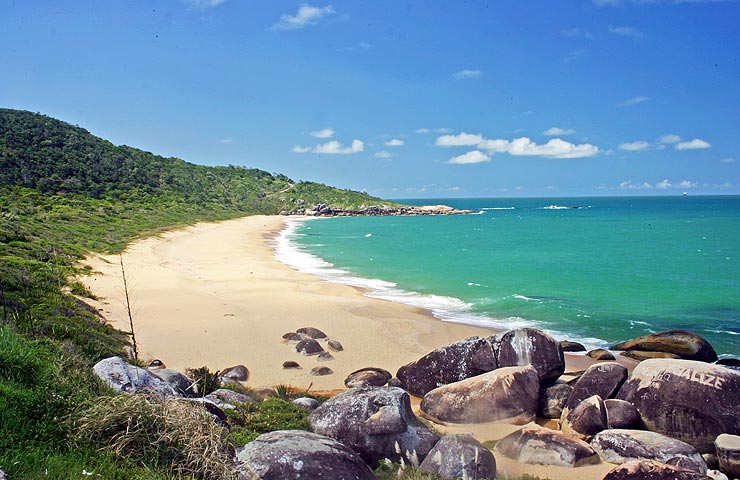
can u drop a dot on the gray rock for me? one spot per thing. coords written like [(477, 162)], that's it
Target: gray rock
[(321, 371), (335, 346), (295, 454), (529, 346), (569, 346), (601, 354), (225, 398), (716, 475), (239, 373), (452, 363), (728, 454), (395, 382), (602, 379), (621, 414), (291, 364), (156, 364), (685, 344), (182, 384), (552, 400), (312, 332), (542, 446), (711, 459), (509, 393), (292, 337), (308, 347), (621, 446), (3, 475), (651, 470), (123, 377), (306, 402), (729, 362), (325, 357), (641, 355), (672, 397), (367, 377), (460, 456), (375, 422), (586, 420)]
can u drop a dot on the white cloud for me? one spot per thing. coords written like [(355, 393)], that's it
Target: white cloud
[(670, 138), (460, 140), (628, 32), (422, 130), (467, 74), (628, 185), (394, 142), (300, 149), (383, 154), (336, 148), (324, 133), (635, 146), (633, 101), (306, 15), (551, 132), (203, 4), (687, 184), (694, 144), (728, 160), (474, 156), (443, 130), (575, 32), (664, 184)]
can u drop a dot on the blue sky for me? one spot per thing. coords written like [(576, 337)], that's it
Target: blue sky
[(401, 99)]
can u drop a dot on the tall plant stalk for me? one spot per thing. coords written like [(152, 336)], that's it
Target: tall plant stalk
[(128, 309)]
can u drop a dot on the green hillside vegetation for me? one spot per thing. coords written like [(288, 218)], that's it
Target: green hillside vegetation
[(64, 193)]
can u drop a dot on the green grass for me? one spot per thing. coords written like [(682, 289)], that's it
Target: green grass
[(248, 421)]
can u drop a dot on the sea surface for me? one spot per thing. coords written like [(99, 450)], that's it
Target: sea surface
[(607, 271)]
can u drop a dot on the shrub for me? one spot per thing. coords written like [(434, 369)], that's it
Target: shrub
[(204, 379)]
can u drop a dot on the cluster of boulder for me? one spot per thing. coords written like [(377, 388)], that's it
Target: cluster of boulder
[(669, 418), (324, 210), (306, 341)]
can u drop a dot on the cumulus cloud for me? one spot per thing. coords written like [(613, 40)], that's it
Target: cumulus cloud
[(384, 154), (422, 130), (551, 132), (694, 144), (474, 156), (323, 133), (670, 138), (628, 185), (663, 184), (628, 32), (460, 140), (635, 146), (336, 148), (300, 149), (633, 101), (467, 74), (394, 142), (687, 184), (305, 16)]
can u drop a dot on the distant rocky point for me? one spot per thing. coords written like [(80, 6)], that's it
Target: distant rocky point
[(323, 210)]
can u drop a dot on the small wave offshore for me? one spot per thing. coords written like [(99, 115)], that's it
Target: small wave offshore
[(444, 308)]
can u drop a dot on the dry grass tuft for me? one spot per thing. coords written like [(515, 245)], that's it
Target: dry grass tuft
[(161, 431)]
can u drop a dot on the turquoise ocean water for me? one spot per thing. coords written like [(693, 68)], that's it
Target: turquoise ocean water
[(610, 270)]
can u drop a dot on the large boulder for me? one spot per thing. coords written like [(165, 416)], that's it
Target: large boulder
[(692, 401), (225, 398), (367, 377), (460, 456), (602, 379), (728, 454), (585, 420), (309, 347), (621, 414), (651, 470), (375, 422), (312, 332), (685, 344), (452, 363), (240, 373), (529, 346), (553, 399), (542, 446), (295, 454), (127, 378), (621, 446), (570, 346), (509, 393), (600, 354), (182, 384)]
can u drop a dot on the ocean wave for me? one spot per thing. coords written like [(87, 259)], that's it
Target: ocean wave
[(447, 309), (525, 298)]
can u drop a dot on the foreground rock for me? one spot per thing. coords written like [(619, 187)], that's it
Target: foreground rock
[(182, 384), (375, 422), (460, 456), (651, 470), (685, 344), (552, 400), (569, 346), (728, 454), (367, 377), (309, 347), (295, 454), (601, 355), (621, 414), (306, 402), (692, 401), (586, 420), (509, 393), (602, 379), (621, 446), (529, 346), (127, 378), (452, 363), (541, 446), (240, 373), (225, 398)]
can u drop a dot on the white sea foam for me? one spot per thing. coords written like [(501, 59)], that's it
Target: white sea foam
[(447, 309), (522, 297), (499, 208)]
